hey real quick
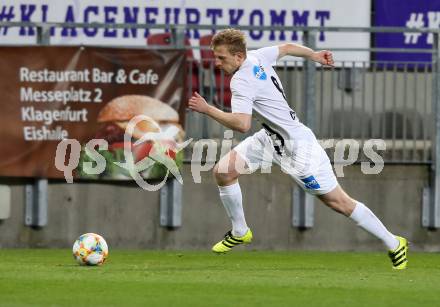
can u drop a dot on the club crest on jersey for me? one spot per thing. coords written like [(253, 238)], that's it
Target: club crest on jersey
[(259, 72)]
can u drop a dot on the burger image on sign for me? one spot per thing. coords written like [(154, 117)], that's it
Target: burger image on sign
[(157, 118)]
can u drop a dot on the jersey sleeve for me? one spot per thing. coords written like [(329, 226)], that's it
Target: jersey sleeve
[(243, 95), (269, 55)]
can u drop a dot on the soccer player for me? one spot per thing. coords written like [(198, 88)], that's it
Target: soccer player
[(256, 89)]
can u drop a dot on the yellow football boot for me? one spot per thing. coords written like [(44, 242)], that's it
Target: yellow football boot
[(399, 256), (230, 241)]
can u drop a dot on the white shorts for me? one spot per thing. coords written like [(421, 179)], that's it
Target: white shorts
[(304, 160)]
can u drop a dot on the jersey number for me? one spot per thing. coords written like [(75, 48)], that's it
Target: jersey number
[(277, 85)]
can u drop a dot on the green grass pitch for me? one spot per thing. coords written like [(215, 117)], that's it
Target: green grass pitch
[(42, 277)]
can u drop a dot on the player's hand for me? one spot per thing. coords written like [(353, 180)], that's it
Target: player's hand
[(198, 103), (324, 57)]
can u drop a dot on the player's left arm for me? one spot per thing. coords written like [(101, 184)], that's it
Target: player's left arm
[(325, 57)]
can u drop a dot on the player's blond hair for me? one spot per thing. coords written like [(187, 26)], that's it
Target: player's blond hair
[(233, 39)]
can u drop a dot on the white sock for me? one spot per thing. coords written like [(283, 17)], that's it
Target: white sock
[(232, 201), (366, 219)]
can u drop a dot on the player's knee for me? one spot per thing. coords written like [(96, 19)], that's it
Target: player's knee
[(343, 205), (223, 176)]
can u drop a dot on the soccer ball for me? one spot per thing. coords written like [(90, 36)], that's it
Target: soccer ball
[(90, 249)]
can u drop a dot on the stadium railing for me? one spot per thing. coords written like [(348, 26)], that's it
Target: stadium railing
[(396, 102)]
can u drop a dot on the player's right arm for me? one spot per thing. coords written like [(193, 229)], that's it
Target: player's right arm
[(325, 57), (236, 121)]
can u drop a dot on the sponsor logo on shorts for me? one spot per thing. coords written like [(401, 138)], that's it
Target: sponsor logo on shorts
[(259, 72), (311, 183)]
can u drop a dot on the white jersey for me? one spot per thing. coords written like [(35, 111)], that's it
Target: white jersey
[(256, 87)]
